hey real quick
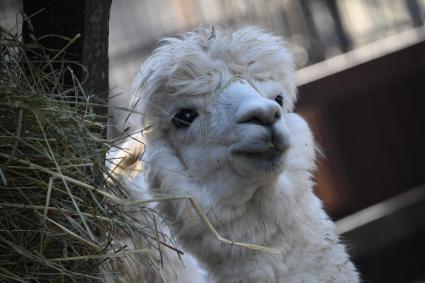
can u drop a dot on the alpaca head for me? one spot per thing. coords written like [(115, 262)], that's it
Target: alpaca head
[(220, 100)]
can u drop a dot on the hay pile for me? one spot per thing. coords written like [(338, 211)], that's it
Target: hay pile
[(59, 210)]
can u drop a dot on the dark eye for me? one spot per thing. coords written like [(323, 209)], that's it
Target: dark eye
[(279, 100), (184, 117)]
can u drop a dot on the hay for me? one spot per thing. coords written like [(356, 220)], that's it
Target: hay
[(59, 210)]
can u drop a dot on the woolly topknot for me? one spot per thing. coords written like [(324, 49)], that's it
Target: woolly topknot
[(203, 60)]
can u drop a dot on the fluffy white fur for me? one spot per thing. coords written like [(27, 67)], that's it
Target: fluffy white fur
[(124, 164), (245, 159)]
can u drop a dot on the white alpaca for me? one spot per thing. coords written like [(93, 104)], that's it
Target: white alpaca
[(218, 109)]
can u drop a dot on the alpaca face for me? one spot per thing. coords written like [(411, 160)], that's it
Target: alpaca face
[(220, 102), (239, 130)]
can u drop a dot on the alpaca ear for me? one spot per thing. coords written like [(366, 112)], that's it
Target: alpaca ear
[(124, 160)]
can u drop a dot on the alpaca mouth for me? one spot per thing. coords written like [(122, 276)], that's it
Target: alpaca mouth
[(263, 149), (264, 159), (267, 153)]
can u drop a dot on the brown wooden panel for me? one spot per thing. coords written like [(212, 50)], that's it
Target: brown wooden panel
[(370, 121)]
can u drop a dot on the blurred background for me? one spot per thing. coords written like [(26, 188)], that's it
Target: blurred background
[(361, 77)]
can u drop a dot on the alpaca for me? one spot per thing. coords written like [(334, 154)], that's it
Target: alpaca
[(218, 106)]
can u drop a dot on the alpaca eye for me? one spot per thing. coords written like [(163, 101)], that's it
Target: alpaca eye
[(184, 117), (279, 100)]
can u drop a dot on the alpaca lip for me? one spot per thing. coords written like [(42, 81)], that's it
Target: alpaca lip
[(266, 153), (272, 149)]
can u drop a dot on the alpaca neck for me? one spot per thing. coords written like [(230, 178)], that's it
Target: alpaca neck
[(253, 212)]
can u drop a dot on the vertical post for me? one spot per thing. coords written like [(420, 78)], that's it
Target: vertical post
[(95, 48), (316, 47), (342, 37), (415, 12)]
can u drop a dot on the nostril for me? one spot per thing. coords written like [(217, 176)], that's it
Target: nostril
[(261, 118), (253, 120), (259, 112)]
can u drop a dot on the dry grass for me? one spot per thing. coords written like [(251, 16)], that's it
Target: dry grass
[(59, 210)]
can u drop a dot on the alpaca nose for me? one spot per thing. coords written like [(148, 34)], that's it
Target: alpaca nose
[(259, 110)]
